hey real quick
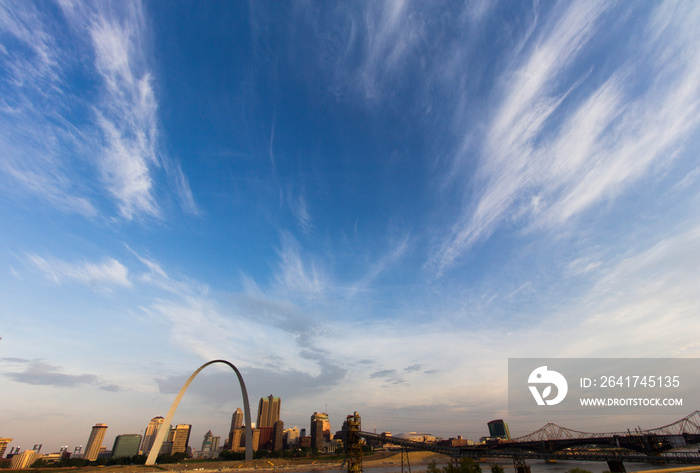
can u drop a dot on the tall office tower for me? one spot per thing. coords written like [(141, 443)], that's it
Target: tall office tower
[(325, 430), (278, 436), (126, 445), (317, 434), (94, 443), (3, 445), (237, 419), (498, 429), (150, 436), (206, 445), (180, 437), (268, 411)]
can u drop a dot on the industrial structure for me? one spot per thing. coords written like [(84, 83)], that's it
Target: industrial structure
[(553, 442)]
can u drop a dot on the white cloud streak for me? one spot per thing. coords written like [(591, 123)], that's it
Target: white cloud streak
[(126, 114), (109, 272), (397, 251), (32, 132), (651, 295), (295, 277), (70, 149), (197, 324), (182, 187), (25, 25), (370, 46), (529, 101), (531, 168), (301, 212), (156, 277), (389, 33)]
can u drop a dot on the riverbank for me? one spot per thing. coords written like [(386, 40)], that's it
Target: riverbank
[(379, 459), (379, 462), (271, 465)]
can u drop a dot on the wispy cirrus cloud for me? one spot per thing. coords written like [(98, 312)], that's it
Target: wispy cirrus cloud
[(530, 98), (126, 112), (297, 276), (155, 276), (299, 206), (33, 132), (650, 295), (647, 295), (74, 150), (370, 46), (109, 272), (543, 171), (24, 24), (280, 327), (390, 30), (398, 249)]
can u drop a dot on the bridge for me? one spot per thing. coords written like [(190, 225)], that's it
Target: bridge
[(553, 442)]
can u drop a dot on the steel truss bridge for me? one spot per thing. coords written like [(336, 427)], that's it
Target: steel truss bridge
[(554, 442)]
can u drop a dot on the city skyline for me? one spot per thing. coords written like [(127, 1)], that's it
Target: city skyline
[(99, 441), (364, 205), (128, 444)]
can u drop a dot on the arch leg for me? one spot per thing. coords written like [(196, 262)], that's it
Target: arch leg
[(160, 437)]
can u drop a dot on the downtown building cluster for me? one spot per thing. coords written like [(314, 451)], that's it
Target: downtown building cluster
[(268, 434)]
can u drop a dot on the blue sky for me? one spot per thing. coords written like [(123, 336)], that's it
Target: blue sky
[(364, 206)]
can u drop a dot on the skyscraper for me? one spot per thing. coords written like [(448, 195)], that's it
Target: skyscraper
[(278, 436), (210, 446), (180, 437), (237, 419), (317, 434), (126, 445), (94, 443), (150, 436), (320, 432), (206, 445), (3, 445), (498, 429), (268, 411)]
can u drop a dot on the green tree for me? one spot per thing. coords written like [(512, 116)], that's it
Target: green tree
[(496, 469)]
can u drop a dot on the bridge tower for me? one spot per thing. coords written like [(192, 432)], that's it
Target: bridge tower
[(519, 464), (353, 448), (404, 453)]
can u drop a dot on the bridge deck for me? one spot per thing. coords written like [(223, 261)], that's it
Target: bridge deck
[(509, 451)]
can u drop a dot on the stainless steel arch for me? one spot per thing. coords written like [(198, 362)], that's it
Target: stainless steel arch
[(158, 442)]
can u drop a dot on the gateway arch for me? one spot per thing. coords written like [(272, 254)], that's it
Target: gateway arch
[(160, 437)]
